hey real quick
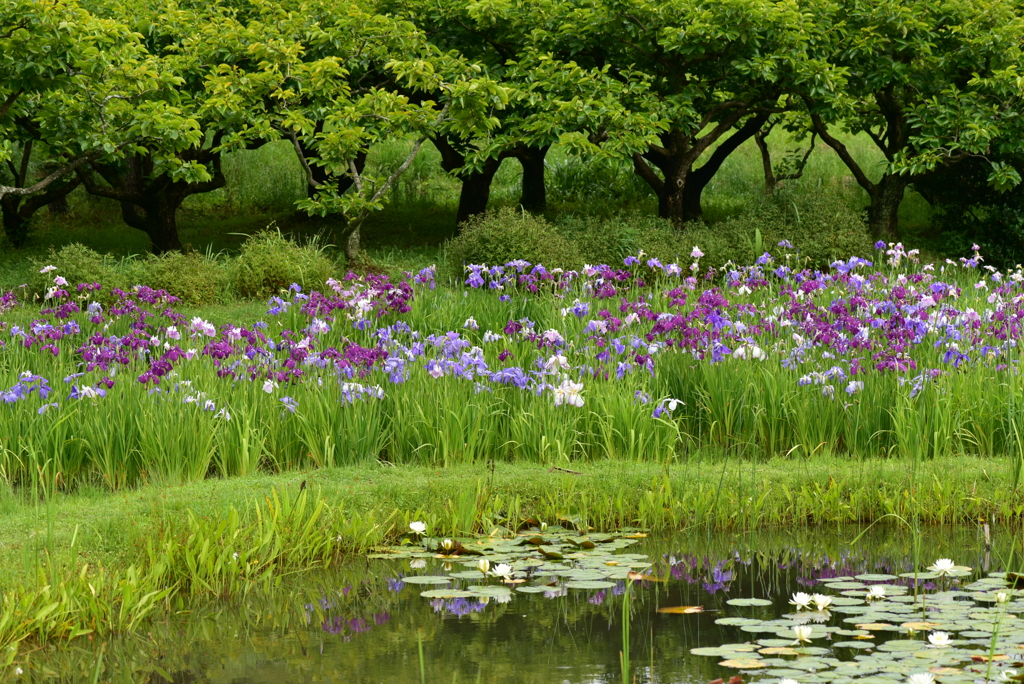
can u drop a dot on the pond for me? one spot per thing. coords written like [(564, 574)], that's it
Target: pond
[(561, 618)]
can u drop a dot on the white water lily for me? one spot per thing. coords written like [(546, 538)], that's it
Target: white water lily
[(943, 566), (503, 570), (802, 633), (939, 639), (821, 601), (921, 678), (483, 565), (418, 527), (876, 593), (447, 545), (787, 680), (801, 600), (1002, 597)]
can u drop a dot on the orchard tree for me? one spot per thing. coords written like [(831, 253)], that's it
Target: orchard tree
[(336, 79), (930, 82), (550, 102), (449, 26), (155, 175), (548, 98), (718, 70), (74, 89)]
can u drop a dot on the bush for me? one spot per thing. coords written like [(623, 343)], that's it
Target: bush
[(610, 240), (820, 228), (508, 234), (270, 262), (969, 210), (192, 278), (76, 263)]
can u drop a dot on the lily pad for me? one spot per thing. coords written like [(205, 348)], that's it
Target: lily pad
[(446, 593), (428, 579), (589, 584), (749, 602), (743, 664)]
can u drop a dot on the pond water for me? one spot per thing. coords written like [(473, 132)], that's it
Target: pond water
[(563, 620)]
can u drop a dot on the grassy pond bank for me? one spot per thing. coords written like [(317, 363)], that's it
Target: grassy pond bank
[(97, 572)]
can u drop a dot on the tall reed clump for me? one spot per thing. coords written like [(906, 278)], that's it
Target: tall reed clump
[(229, 556)]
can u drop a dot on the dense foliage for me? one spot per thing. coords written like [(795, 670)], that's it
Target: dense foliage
[(138, 102)]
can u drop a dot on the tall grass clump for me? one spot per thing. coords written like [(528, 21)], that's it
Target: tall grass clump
[(195, 279), (509, 234), (269, 262), (820, 227)]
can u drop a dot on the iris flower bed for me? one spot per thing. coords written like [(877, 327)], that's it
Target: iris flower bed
[(641, 360)]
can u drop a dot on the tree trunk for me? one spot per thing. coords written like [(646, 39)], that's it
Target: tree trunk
[(681, 186), (156, 216), (148, 203), (701, 177), (17, 211), (674, 202), (883, 214), (60, 207), (760, 139), (476, 185), (534, 197), (476, 191), (15, 226), (352, 246)]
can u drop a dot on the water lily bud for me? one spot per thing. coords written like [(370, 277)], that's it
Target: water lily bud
[(484, 565), (1002, 597), (447, 545)]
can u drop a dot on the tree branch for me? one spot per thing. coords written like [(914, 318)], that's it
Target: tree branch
[(357, 180), (302, 159), (843, 153), (26, 156), (44, 183), (11, 99), (644, 170), (752, 125), (383, 189)]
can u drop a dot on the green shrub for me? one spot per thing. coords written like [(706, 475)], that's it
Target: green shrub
[(76, 263), (508, 234), (821, 229), (610, 240), (192, 277), (270, 262)]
